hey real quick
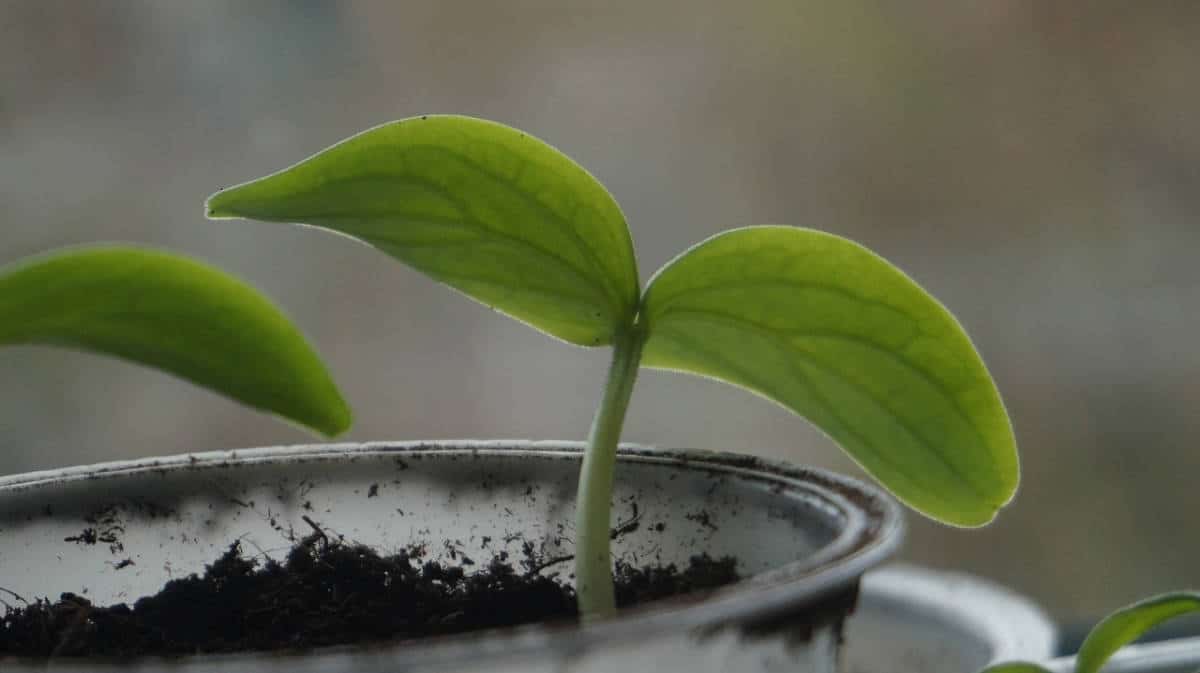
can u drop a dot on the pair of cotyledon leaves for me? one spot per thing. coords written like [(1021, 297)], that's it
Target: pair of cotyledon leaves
[(809, 320), (1117, 630)]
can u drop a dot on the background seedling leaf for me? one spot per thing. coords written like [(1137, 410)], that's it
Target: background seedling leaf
[(175, 314), (1128, 624), (1015, 667), (833, 332), (491, 211)]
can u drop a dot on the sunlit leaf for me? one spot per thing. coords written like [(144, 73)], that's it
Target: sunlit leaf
[(1015, 667), (1128, 624), (484, 208), (175, 314), (833, 332)]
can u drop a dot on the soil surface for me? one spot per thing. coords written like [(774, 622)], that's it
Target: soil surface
[(327, 592)]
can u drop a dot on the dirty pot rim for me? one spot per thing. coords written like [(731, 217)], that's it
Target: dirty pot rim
[(870, 529)]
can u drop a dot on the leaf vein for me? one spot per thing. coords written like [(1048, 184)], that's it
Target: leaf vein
[(769, 334), (562, 223), (789, 284), (758, 386)]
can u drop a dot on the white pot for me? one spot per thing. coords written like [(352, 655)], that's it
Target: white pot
[(916, 620), (801, 536)]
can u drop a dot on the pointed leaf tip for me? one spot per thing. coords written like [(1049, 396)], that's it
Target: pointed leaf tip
[(219, 205), (486, 209)]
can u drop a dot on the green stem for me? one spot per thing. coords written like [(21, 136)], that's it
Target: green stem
[(593, 568)]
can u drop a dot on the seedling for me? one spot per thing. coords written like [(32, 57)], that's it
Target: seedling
[(1116, 631), (175, 314), (811, 321)]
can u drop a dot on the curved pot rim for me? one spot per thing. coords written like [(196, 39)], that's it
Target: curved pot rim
[(1009, 625), (871, 528)]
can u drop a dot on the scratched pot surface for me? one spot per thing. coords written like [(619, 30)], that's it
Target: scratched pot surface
[(116, 532)]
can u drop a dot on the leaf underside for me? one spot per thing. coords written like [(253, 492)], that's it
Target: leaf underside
[(174, 314), (491, 211), (838, 335), (1128, 624)]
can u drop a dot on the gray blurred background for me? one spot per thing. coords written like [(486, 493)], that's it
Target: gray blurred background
[(1034, 164)]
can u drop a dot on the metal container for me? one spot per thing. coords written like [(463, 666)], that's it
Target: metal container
[(917, 620), (801, 536)]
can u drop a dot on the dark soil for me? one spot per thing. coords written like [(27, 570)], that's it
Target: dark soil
[(326, 592)]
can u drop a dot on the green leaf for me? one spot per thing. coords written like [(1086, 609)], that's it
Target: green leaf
[(1128, 624), (833, 332), (175, 314), (484, 208), (1015, 667)]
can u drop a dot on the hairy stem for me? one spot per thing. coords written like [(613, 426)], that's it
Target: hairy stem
[(593, 569)]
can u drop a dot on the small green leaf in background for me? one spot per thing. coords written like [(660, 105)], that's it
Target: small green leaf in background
[(835, 333), (1015, 667), (489, 210), (174, 314), (1128, 624)]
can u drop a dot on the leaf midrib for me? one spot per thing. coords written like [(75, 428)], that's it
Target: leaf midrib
[(691, 292), (559, 220), (604, 291)]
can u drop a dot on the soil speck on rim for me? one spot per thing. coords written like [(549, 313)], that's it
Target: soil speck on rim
[(704, 519), (328, 592), (106, 524), (86, 536)]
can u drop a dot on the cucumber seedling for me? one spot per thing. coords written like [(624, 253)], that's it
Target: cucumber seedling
[(809, 320)]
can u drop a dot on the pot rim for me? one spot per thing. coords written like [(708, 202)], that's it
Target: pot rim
[(1009, 625), (870, 528)]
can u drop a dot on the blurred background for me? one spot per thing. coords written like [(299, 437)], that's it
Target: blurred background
[(1036, 165)]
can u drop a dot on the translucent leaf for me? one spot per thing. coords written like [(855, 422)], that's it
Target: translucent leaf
[(1128, 624), (833, 332), (174, 314), (489, 210)]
